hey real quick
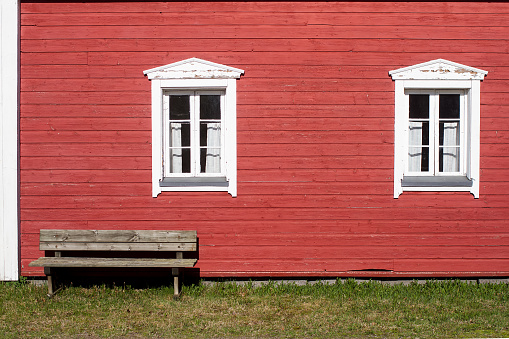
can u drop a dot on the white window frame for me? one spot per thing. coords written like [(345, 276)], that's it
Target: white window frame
[(434, 77), (195, 75), (195, 140)]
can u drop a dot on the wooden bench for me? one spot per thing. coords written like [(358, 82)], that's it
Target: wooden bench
[(72, 248)]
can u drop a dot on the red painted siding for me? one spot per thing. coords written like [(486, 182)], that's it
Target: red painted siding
[(315, 133)]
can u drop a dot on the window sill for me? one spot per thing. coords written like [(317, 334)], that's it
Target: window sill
[(194, 182), (436, 181)]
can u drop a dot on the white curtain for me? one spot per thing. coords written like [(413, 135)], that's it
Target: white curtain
[(450, 149), (213, 158), (176, 150), (415, 153)]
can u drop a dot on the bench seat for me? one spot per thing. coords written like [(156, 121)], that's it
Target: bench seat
[(112, 262)]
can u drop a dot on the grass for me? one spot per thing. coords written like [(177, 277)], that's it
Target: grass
[(344, 309)]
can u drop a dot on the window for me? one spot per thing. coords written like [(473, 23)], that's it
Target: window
[(194, 127), (437, 125)]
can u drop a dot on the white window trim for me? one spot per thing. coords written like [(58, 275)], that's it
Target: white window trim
[(195, 75), (9, 107), (438, 75)]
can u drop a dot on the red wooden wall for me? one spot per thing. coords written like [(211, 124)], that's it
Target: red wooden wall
[(315, 133)]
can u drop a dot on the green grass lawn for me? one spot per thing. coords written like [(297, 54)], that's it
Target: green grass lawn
[(345, 309)]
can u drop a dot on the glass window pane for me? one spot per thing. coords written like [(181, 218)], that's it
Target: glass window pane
[(210, 134), (449, 133), (179, 107), (180, 160), (449, 159), (419, 106), (449, 106), (210, 160), (418, 133), (210, 107), (180, 134), (418, 159), (210, 150)]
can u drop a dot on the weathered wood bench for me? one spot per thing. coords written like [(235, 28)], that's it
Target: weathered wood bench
[(72, 248)]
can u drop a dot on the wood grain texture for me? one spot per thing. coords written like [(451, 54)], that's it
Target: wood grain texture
[(110, 262), (117, 236), (315, 133)]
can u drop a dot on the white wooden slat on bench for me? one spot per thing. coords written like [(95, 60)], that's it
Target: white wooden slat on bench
[(131, 236)]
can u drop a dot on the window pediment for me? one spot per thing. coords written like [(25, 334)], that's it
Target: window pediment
[(194, 68), (438, 69)]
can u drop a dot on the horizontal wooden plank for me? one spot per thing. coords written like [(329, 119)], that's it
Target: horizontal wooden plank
[(276, 71), (111, 262), (302, 200), (266, 7), (343, 268), (384, 59), (114, 236), (377, 18), (345, 240), (92, 98), (321, 44), (85, 124), (76, 149), (90, 176), (106, 189), (69, 163), (275, 213), (352, 267), (89, 111), (117, 246), (264, 226), (54, 136), (355, 252), (337, 31)]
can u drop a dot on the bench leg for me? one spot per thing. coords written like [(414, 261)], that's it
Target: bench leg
[(176, 282), (51, 281)]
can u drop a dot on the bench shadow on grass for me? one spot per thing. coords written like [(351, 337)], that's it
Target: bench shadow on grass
[(139, 278)]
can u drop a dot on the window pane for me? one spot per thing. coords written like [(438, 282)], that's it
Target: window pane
[(418, 133), (419, 106), (210, 147), (418, 159), (449, 133), (449, 106), (449, 159), (210, 160), (180, 160), (180, 134), (210, 134), (210, 107), (179, 107)]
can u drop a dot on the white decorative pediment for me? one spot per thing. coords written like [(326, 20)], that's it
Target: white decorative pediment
[(438, 69), (194, 68)]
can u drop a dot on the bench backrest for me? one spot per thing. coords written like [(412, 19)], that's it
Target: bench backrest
[(117, 240)]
